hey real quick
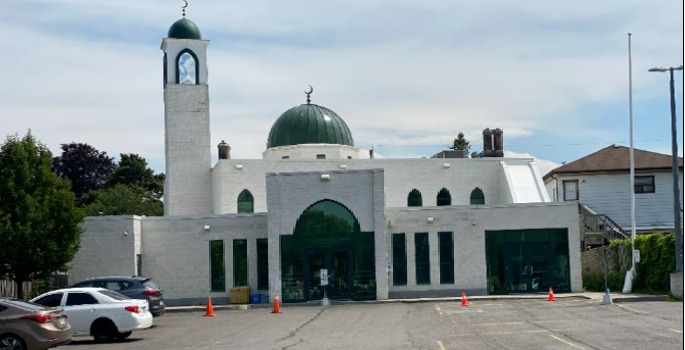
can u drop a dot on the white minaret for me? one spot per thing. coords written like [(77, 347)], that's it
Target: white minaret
[(187, 188)]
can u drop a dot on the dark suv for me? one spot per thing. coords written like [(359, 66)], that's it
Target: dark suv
[(135, 287)]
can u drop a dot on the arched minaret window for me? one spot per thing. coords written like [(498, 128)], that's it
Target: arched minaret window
[(444, 197), (187, 68), (414, 199), (477, 196), (245, 202)]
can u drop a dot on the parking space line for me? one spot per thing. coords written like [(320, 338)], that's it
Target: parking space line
[(516, 332), (440, 345), (566, 342), (631, 309), (675, 330)]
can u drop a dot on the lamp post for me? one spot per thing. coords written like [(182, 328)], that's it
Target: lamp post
[(676, 187)]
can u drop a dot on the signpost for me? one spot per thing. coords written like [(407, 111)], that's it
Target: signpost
[(324, 284)]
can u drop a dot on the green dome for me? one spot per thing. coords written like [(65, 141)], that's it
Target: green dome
[(309, 123), (184, 29)]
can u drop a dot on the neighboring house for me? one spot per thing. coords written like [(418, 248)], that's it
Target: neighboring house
[(601, 181)]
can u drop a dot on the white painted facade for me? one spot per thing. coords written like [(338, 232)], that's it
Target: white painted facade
[(201, 206), (609, 194)]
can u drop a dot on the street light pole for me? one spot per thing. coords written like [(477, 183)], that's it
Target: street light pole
[(676, 186)]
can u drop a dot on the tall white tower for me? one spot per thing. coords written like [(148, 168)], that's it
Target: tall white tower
[(187, 188)]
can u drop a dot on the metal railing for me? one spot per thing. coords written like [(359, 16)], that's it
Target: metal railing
[(592, 222)]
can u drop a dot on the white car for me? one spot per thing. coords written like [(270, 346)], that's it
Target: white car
[(98, 312)]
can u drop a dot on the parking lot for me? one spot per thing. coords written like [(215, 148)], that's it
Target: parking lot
[(568, 323)]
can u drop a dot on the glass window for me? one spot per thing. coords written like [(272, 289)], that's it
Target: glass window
[(477, 196), (320, 156), (80, 299), (399, 259), (216, 266), (423, 273), (414, 199), (444, 197), (50, 300), (446, 243), (245, 202), (570, 190), (327, 216), (240, 262), (644, 184), (262, 263), (187, 67)]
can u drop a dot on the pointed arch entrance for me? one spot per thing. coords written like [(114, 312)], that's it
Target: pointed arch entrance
[(327, 236)]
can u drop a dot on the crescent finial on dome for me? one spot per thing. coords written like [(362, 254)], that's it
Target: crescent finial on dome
[(309, 94), (185, 4)]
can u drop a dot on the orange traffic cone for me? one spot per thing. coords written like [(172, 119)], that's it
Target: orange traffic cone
[(210, 309), (464, 301), (277, 305), (551, 295)]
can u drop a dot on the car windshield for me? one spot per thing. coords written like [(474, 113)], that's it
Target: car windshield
[(114, 295), (25, 304)]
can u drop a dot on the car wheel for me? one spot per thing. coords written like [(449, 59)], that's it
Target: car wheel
[(11, 342), (104, 331), (122, 336)]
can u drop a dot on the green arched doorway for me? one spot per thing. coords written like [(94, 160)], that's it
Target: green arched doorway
[(327, 236)]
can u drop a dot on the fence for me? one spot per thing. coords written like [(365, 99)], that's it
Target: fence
[(9, 288)]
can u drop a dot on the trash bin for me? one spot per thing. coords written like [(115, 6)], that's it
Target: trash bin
[(239, 295), (256, 298)]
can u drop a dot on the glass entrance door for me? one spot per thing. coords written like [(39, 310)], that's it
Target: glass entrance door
[(338, 263), (526, 268)]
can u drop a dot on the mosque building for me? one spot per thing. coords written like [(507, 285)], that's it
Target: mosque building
[(317, 217)]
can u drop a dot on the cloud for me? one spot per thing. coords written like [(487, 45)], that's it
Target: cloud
[(406, 76)]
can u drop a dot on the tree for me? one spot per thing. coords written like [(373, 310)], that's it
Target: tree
[(133, 170), (124, 200), (85, 167), (39, 222), (460, 143)]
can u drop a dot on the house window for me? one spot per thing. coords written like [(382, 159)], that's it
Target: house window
[(477, 196), (422, 254), (285, 157), (262, 263), (644, 184), (444, 197), (414, 199), (399, 259), (245, 202), (216, 266), (446, 243), (570, 190), (320, 156), (239, 262)]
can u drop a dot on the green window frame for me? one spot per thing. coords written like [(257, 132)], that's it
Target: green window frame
[(446, 250), (414, 198), (444, 197), (477, 197), (399, 259), (239, 262), (217, 270), (262, 264), (245, 202), (422, 255)]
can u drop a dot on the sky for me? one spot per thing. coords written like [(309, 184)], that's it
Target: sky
[(406, 76)]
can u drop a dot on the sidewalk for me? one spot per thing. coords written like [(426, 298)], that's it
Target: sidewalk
[(595, 296)]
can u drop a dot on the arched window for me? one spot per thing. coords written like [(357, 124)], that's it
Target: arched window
[(326, 216), (187, 68), (444, 197), (414, 199), (477, 196), (245, 202)]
